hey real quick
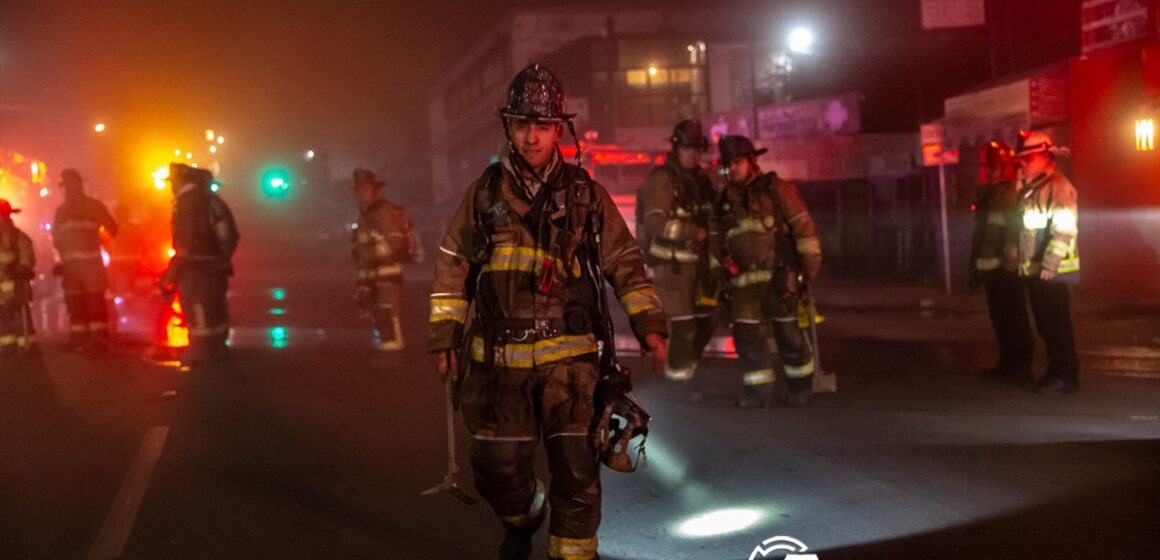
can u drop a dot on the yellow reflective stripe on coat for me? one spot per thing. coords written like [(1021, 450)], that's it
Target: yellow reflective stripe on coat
[(389, 270), (448, 310), (9, 286), (706, 301), (759, 377), (809, 246), (522, 259), (7, 257), (80, 256), (750, 278), (1034, 219), (640, 300), (540, 352), (672, 253), (1058, 248), (562, 548), (1067, 265), (746, 225), (7, 340)]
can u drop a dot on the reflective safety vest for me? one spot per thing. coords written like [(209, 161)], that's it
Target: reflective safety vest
[(1049, 215)]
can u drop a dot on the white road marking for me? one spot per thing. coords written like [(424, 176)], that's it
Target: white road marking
[(110, 542)]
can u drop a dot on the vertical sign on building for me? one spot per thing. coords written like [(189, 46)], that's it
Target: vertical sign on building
[(942, 14)]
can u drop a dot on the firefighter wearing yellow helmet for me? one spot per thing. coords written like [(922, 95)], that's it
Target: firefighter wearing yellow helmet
[(1048, 258)]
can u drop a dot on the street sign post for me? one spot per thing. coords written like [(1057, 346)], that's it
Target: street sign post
[(935, 154)]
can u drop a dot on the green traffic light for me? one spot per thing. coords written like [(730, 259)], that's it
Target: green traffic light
[(276, 183)]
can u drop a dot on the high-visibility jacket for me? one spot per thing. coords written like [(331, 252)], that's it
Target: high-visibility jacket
[(515, 278), (672, 205), (995, 242), (76, 229), (1049, 215), (745, 224), (381, 242), (17, 261)]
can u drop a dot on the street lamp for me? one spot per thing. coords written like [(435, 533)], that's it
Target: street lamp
[(99, 127), (801, 40)]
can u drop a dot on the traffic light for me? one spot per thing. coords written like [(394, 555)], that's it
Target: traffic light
[(276, 183)]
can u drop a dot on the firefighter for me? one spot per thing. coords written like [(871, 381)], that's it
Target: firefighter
[(383, 240), (523, 247), (76, 234), (205, 237), (1048, 259), (673, 209), (765, 242), (17, 261), (994, 262)]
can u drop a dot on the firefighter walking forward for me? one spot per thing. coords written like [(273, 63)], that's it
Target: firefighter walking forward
[(765, 242), (1048, 257), (521, 248), (205, 237), (17, 263), (673, 211), (76, 234), (383, 240), (995, 262)]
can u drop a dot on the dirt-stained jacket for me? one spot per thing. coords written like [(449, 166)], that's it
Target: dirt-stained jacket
[(512, 276), (76, 229), (745, 223), (1047, 240), (382, 242), (672, 204), (995, 241), (17, 262)]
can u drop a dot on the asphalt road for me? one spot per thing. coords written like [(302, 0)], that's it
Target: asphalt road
[(308, 445)]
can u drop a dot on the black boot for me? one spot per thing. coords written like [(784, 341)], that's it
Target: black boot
[(756, 396)]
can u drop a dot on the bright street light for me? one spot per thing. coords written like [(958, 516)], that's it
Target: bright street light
[(99, 127), (209, 135), (212, 149), (801, 40), (221, 139)]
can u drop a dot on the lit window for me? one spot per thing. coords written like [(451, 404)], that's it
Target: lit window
[(637, 78)]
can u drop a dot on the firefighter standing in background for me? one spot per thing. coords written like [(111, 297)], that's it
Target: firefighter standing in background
[(995, 262), (522, 247), (205, 237), (1048, 258), (76, 234), (17, 262), (673, 209), (765, 241), (383, 240)]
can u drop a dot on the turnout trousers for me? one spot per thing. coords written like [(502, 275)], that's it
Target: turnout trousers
[(692, 317), (385, 316), (1007, 307), (203, 299), (85, 284), (508, 412), (17, 334), (755, 312), (1051, 306)]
